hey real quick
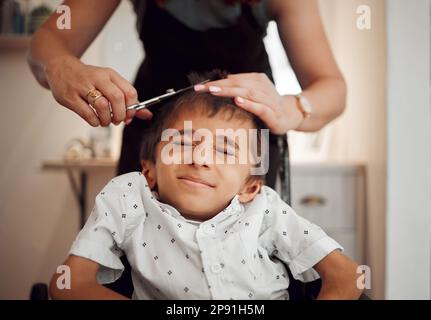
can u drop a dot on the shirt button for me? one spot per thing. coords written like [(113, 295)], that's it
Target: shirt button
[(209, 229), (216, 268)]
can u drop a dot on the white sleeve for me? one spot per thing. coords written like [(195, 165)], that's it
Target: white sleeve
[(298, 242), (105, 232)]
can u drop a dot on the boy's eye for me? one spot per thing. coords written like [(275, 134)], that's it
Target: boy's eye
[(226, 151), (183, 143)]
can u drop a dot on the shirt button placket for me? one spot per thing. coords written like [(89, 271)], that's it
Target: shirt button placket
[(209, 229), (206, 237), (216, 268)]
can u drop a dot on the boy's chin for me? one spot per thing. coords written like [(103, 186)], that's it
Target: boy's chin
[(196, 212)]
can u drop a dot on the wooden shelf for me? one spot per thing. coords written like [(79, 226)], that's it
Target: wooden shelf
[(89, 164), (14, 42)]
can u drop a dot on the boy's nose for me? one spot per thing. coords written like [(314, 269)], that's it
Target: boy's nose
[(203, 155)]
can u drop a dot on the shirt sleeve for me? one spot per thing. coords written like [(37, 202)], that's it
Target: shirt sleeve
[(297, 242), (107, 228)]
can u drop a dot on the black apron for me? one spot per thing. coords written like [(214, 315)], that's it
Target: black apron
[(173, 50)]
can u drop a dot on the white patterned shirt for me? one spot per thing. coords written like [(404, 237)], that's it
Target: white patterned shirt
[(241, 253)]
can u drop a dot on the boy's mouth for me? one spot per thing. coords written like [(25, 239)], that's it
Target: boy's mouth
[(196, 182)]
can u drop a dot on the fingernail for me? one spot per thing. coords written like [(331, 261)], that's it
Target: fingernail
[(199, 87), (240, 100), (214, 89), (129, 121)]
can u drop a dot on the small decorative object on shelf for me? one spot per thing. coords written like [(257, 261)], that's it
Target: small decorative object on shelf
[(98, 146), (78, 149), (100, 142), (38, 16)]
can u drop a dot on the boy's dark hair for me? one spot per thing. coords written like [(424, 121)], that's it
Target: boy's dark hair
[(196, 101)]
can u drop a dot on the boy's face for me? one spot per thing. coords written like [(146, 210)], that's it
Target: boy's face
[(200, 185)]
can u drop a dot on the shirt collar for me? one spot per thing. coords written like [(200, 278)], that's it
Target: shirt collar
[(234, 207)]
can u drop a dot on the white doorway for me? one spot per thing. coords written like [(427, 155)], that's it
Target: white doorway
[(408, 237)]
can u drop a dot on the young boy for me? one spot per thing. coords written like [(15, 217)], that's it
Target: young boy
[(196, 226)]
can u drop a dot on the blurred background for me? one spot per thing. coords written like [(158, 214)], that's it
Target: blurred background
[(365, 178)]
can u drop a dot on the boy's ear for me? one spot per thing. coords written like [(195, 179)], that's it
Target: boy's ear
[(149, 171), (250, 190)]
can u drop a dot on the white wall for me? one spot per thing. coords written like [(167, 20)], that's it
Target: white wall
[(359, 135), (408, 267)]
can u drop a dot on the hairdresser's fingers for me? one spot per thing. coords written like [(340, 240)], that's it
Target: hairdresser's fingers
[(215, 84), (115, 97), (257, 85), (81, 107), (265, 113), (238, 80), (130, 94), (251, 79), (130, 114), (227, 82), (247, 79), (103, 111), (251, 94)]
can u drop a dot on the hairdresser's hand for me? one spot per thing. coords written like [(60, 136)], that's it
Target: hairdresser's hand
[(255, 93), (70, 81)]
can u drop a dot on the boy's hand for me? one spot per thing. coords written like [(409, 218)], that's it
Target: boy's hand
[(83, 283), (339, 277)]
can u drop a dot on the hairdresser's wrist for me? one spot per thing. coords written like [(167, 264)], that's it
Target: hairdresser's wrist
[(294, 116), (60, 61), (55, 67)]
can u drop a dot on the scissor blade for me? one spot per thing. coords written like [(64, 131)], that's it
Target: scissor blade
[(147, 103)]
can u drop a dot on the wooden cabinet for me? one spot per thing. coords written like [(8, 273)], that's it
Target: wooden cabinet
[(333, 197)]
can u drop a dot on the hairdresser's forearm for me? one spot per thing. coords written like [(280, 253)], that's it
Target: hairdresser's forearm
[(50, 43), (45, 48), (328, 97)]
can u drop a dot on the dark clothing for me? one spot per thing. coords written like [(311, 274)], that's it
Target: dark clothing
[(173, 50)]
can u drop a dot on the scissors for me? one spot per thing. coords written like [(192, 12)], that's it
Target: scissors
[(169, 93)]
